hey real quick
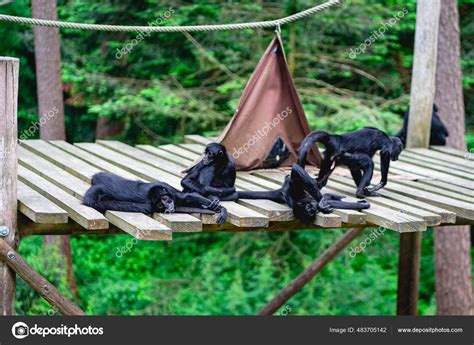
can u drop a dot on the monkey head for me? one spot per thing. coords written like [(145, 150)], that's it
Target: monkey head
[(305, 210), (161, 198), (397, 147), (214, 153)]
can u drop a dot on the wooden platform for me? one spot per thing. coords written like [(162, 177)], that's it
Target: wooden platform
[(426, 188)]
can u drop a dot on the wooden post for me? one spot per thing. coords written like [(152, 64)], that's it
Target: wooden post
[(309, 273), (47, 290), (8, 175), (423, 73), (418, 135)]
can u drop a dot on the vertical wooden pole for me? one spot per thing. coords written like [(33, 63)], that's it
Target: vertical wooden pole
[(8, 175), (423, 73), (418, 135)]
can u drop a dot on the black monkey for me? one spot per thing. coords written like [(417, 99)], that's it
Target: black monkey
[(438, 133), (214, 176), (301, 193), (115, 193), (355, 150)]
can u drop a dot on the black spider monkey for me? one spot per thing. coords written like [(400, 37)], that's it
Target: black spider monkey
[(214, 176), (354, 150), (115, 193), (301, 193), (438, 133)]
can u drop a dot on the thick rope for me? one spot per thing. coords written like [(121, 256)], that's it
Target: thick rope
[(189, 28)]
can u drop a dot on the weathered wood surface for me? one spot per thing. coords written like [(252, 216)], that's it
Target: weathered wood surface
[(8, 173), (409, 203), (38, 208), (47, 290)]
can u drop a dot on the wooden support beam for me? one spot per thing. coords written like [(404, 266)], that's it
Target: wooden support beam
[(423, 73), (47, 290), (8, 174), (418, 135), (408, 273), (309, 273)]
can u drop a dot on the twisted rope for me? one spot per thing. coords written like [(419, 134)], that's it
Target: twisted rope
[(189, 28)]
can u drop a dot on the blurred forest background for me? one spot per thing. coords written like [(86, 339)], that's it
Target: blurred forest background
[(175, 84)]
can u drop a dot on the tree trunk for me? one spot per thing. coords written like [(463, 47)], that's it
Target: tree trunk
[(452, 243), (106, 127), (51, 103)]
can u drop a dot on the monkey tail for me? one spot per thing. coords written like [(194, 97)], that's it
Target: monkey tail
[(345, 205), (308, 142)]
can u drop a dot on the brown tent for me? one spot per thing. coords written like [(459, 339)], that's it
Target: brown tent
[(269, 108)]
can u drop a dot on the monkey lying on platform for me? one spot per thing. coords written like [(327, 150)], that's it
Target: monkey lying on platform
[(356, 151), (301, 193), (115, 193)]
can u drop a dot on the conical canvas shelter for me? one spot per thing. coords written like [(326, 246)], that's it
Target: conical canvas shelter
[(269, 108)]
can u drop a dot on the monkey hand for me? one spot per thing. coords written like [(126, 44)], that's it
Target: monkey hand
[(215, 205), (222, 216), (324, 207)]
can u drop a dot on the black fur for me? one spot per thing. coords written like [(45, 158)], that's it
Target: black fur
[(355, 150), (214, 176), (438, 133), (301, 193), (115, 193)]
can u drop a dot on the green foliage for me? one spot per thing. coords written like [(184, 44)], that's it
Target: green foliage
[(228, 274)]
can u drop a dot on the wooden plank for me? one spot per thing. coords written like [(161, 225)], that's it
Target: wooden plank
[(181, 152), (461, 208), (449, 151), (179, 222), (414, 157), (446, 216), (436, 166), (455, 159), (431, 219), (83, 215), (139, 226), (195, 148), (91, 159), (238, 215), (60, 158), (196, 139), (139, 155), (463, 182), (39, 209), (274, 211), (165, 155), (54, 174)]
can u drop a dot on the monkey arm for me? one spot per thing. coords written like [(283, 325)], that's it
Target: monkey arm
[(274, 195)]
